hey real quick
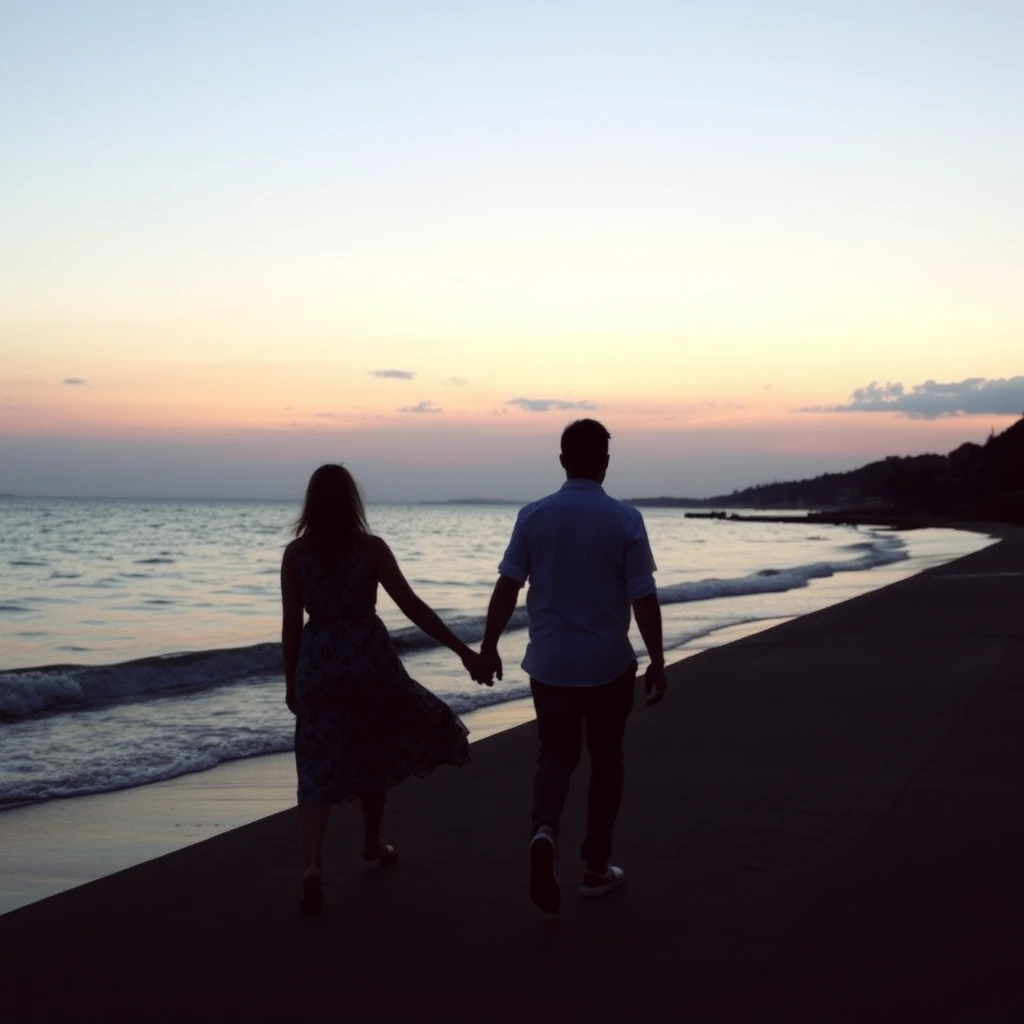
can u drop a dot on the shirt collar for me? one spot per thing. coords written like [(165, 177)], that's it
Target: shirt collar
[(580, 484)]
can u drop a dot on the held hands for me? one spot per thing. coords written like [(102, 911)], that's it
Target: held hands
[(655, 684), (481, 669), (492, 660)]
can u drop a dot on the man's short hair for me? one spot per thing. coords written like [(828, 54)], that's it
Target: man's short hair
[(584, 446)]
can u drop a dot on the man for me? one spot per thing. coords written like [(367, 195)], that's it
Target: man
[(588, 561)]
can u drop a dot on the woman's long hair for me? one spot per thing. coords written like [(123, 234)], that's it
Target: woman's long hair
[(333, 516)]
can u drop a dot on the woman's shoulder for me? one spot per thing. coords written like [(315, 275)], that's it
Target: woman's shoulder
[(366, 545), (372, 545), (294, 549)]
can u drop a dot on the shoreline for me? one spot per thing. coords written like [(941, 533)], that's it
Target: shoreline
[(109, 832), (55, 845)]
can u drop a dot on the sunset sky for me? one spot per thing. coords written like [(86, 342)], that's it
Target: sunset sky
[(758, 240)]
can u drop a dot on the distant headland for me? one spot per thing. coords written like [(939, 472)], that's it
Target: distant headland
[(472, 501), (980, 482)]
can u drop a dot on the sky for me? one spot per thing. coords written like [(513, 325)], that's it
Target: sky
[(758, 241)]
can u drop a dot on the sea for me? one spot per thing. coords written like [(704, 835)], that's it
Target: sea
[(139, 639)]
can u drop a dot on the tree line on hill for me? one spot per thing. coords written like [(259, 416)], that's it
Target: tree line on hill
[(974, 481)]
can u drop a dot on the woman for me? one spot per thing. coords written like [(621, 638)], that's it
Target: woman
[(362, 724)]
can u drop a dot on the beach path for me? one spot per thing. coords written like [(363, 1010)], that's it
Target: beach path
[(822, 823)]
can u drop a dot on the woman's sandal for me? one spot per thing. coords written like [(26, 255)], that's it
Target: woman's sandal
[(386, 856), (311, 896)]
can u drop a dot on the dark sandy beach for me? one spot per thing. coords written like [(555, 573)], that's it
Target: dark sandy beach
[(822, 823)]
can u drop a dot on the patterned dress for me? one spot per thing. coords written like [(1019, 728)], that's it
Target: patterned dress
[(362, 724)]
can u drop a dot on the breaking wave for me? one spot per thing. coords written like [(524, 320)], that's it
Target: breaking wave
[(25, 692)]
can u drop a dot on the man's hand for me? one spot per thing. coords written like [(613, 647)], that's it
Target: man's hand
[(648, 620), (479, 668), (492, 660), (655, 684), (499, 611)]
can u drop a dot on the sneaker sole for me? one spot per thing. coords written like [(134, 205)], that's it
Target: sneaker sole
[(602, 890), (544, 890)]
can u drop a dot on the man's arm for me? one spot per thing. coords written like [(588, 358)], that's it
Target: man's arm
[(499, 611), (647, 612)]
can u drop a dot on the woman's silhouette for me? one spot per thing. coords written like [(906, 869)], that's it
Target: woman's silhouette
[(362, 724)]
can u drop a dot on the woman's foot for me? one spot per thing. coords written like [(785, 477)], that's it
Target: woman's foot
[(381, 852), (311, 895)]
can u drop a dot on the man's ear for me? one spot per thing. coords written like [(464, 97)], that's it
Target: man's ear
[(561, 460)]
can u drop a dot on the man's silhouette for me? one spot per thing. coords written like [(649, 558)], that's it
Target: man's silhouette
[(588, 561)]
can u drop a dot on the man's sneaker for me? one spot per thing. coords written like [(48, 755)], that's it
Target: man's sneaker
[(544, 889), (595, 884)]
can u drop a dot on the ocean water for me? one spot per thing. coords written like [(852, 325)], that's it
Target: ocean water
[(138, 639)]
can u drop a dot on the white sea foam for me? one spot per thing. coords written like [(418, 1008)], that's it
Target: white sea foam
[(464, 702), (118, 747), (26, 691), (882, 550)]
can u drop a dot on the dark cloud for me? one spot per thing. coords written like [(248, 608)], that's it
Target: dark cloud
[(974, 396), (425, 406), (547, 404), (73, 380), (393, 374)]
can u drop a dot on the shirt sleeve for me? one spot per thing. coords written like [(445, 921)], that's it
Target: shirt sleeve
[(640, 567), (516, 561)]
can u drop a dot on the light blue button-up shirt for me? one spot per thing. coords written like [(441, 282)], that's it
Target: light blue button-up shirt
[(586, 557)]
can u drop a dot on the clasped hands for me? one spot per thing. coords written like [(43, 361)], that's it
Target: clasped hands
[(483, 667)]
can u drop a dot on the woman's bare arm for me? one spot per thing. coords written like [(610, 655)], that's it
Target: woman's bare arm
[(418, 611), (291, 622)]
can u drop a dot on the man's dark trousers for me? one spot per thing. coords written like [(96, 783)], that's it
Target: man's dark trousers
[(562, 712)]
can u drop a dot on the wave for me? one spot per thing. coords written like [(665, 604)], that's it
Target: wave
[(158, 748), (139, 766), (882, 550), (26, 692)]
